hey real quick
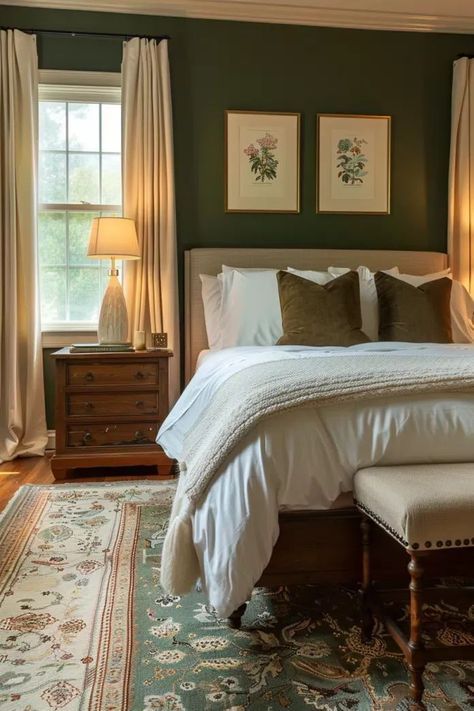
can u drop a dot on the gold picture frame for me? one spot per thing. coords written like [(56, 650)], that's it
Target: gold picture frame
[(262, 161), (353, 164)]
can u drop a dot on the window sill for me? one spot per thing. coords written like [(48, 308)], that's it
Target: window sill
[(59, 339)]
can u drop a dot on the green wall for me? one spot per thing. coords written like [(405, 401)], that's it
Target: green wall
[(217, 65), (223, 65)]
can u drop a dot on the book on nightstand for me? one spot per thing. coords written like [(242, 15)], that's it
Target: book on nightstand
[(101, 348)]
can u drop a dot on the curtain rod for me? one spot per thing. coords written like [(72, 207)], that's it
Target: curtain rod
[(105, 35)]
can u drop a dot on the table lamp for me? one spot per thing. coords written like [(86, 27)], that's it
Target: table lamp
[(113, 238)]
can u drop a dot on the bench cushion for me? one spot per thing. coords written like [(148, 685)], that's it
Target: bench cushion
[(424, 506)]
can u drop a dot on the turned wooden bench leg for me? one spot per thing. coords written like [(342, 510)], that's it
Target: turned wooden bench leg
[(367, 615), (235, 619), (416, 657)]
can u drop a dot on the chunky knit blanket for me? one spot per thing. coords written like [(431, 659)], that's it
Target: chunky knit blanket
[(262, 390)]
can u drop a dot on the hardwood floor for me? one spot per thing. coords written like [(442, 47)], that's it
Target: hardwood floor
[(37, 470)]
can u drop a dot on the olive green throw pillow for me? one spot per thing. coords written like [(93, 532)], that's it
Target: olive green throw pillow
[(417, 314), (320, 315)]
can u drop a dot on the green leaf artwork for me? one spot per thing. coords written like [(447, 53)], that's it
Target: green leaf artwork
[(262, 159), (351, 161)]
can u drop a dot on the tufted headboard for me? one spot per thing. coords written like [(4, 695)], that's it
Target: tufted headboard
[(209, 261)]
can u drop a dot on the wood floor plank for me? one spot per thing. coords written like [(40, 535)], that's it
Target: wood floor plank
[(37, 470)]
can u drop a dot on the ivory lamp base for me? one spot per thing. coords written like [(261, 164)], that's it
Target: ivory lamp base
[(113, 319)]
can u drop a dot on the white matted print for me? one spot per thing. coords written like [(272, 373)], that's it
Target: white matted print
[(353, 164), (262, 161)]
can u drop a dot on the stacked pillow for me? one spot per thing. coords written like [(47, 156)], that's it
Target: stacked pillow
[(244, 307), (320, 314), (414, 309)]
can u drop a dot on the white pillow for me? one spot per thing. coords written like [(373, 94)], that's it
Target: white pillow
[(462, 306), (211, 299), (320, 278), (250, 308)]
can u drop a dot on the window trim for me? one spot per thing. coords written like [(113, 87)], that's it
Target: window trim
[(90, 87), (59, 338), (78, 78)]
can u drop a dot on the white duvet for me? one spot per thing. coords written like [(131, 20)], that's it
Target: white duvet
[(302, 459)]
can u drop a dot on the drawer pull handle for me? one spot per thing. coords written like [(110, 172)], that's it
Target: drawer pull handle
[(139, 375), (89, 377), (89, 405), (139, 403), (139, 435), (87, 437)]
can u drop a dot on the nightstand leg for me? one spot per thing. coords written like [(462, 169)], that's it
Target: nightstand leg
[(61, 474), (165, 471)]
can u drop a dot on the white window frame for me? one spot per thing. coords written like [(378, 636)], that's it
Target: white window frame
[(90, 87)]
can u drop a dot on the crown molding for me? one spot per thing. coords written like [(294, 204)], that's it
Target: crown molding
[(294, 13)]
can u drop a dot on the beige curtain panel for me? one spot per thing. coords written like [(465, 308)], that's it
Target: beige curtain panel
[(461, 175), (151, 283), (22, 416)]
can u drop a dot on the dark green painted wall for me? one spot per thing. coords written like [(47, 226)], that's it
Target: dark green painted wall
[(221, 65)]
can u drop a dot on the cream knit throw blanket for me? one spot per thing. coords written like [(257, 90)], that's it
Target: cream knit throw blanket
[(261, 390)]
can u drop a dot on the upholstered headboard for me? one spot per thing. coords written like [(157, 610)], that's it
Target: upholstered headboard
[(210, 260)]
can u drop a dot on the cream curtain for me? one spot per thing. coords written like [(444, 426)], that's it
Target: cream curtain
[(22, 416), (461, 175), (151, 286)]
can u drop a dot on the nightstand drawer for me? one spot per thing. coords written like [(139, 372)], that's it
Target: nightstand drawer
[(123, 404), (112, 435), (112, 373)]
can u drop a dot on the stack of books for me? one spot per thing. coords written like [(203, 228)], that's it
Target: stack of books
[(101, 348)]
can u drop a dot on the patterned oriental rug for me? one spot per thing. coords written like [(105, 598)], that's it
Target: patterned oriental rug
[(84, 625)]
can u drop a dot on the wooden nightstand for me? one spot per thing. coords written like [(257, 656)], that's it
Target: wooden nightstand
[(109, 407)]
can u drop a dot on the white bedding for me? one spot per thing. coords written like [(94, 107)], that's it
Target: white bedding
[(302, 459)]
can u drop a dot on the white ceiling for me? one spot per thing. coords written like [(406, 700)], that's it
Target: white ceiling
[(410, 15)]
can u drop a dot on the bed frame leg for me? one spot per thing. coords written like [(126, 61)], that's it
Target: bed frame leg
[(235, 619)]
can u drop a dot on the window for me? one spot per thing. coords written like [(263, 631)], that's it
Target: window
[(79, 178)]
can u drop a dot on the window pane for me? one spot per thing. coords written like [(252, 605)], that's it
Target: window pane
[(52, 177), (84, 298), (111, 180), (52, 125), (83, 127), (53, 294), (79, 162), (52, 238), (79, 229), (84, 177), (111, 128)]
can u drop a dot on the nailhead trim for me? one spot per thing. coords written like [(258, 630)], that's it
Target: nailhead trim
[(382, 523), (413, 546)]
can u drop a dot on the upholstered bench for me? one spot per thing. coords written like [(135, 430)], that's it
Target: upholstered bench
[(427, 509)]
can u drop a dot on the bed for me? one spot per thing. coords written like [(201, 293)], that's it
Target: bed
[(313, 546)]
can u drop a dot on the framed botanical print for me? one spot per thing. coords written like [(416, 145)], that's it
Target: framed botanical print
[(262, 169), (353, 164)]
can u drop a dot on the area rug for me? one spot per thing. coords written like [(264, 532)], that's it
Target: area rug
[(84, 625)]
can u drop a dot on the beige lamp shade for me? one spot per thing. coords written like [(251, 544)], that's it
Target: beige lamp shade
[(113, 237)]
